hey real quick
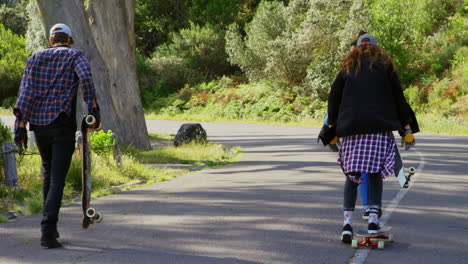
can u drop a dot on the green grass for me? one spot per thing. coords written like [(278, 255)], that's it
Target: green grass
[(33, 206), (101, 193), (3, 219), (196, 154), (430, 123), (107, 173), (159, 137), (209, 118)]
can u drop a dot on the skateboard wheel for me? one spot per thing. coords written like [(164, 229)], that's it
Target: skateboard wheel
[(412, 170), (354, 243), (334, 141), (91, 212), (99, 217), (381, 245), (391, 237), (409, 138), (90, 120)]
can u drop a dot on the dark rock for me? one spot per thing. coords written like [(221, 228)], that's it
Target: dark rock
[(190, 132), (11, 215)]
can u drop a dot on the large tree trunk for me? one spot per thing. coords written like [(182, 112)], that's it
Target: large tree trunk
[(104, 29)]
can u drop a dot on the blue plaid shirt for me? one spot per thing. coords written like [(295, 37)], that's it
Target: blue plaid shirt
[(49, 84)]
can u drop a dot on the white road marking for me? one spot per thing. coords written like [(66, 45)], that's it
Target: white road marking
[(361, 254)]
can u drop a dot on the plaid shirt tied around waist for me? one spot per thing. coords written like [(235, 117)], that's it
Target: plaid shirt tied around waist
[(367, 153), (50, 81)]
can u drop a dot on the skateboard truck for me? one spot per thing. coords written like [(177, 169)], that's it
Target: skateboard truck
[(94, 215), (373, 240), (412, 171)]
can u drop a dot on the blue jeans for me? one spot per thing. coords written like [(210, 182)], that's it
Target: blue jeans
[(363, 189)]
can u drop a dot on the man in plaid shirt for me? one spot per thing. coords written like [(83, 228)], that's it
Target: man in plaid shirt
[(47, 101)]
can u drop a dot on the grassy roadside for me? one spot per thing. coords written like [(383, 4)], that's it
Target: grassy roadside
[(431, 123), (208, 118), (108, 174), (428, 122)]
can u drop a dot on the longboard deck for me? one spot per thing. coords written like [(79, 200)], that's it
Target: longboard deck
[(365, 233), (90, 215), (399, 168), (85, 174)]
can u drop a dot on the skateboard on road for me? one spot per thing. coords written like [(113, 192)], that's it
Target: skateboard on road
[(373, 240), (90, 215), (399, 170)]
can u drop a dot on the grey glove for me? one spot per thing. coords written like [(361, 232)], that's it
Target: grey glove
[(334, 147)]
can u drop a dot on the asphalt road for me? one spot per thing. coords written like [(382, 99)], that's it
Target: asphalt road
[(280, 204)]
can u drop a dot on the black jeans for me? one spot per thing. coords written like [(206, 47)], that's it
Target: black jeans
[(56, 145), (375, 192)]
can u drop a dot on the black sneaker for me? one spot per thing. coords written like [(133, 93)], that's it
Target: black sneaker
[(347, 234), (373, 228), (50, 241), (367, 211)]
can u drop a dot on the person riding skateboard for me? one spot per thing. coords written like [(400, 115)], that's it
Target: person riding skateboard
[(47, 101), (363, 186), (366, 103)]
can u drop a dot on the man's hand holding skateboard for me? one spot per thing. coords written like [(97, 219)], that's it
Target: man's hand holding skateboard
[(96, 122), (21, 139)]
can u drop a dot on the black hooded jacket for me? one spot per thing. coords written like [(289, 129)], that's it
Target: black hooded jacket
[(370, 102)]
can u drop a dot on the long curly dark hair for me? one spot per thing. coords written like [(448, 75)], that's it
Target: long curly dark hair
[(354, 59)]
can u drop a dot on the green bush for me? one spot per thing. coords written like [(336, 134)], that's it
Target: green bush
[(9, 102), (171, 72), (440, 49), (194, 54), (402, 27), (148, 82), (12, 60), (460, 71), (440, 69), (250, 53), (254, 101), (414, 97), (156, 20), (5, 133), (14, 18), (299, 44), (34, 205), (17, 194), (100, 142)]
